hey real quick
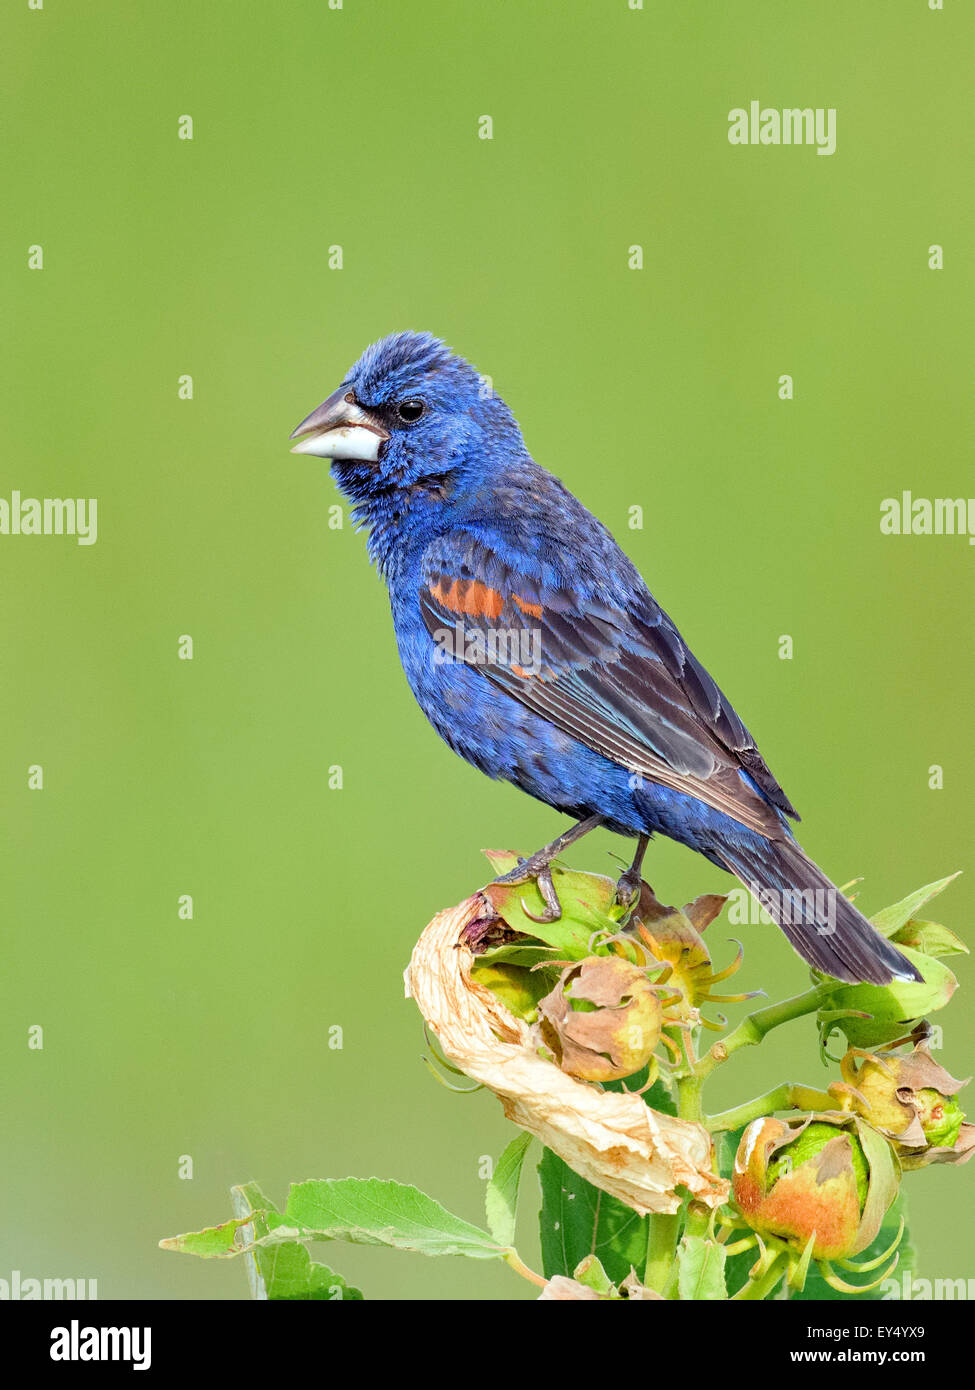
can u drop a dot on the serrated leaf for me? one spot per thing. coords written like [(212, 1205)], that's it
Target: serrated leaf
[(700, 1270), (365, 1211), (376, 1211), (284, 1272), (577, 1220), (289, 1273), (251, 1202), (501, 1197), (888, 919)]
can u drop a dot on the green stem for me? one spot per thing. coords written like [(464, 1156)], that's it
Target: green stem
[(764, 1284), (665, 1229), (515, 1261), (689, 1098), (660, 1270), (698, 1221), (661, 1249), (753, 1029), (788, 1096)]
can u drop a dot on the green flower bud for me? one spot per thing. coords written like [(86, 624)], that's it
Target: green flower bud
[(894, 1010), (941, 1117), (811, 1142), (913, 1101)]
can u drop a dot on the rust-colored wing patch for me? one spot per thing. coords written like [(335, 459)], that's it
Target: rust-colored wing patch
[(469, 597), (533, 610)]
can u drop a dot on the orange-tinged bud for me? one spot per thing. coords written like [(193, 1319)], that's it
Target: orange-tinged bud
[(823, 1178)]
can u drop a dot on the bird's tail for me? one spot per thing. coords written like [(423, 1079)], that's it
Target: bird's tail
[(820, 923)]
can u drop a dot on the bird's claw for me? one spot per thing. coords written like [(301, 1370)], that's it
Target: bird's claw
[(553, 908), (521, 873), (628, 888)]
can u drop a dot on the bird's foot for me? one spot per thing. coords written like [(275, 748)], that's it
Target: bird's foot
[(629, 885), (527, 869), (539, 868), (628, 888), (553, 908)]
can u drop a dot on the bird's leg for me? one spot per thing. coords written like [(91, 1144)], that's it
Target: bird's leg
[(531, 867), (628, 884), (553, 908), (538, 867)]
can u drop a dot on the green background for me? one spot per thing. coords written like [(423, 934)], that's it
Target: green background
[(656, 388)]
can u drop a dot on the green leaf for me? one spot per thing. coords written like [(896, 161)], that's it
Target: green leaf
[(374, 1211), (700, 1269), (518, 989), (526, 954), (737, 1267), (286, 1271), (930, 937), (502, 861), (578, 1220), (365, 1211), (213, 1242), (888, 919), (586, 900), (501, 1197), (727, 1145), (658, 1097), (591, 1273)]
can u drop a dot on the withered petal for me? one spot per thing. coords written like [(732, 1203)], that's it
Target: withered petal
[(612, 1139)]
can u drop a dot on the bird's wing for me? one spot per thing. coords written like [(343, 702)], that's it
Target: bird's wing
[(622, 682)]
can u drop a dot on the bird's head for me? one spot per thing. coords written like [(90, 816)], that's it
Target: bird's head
[(411, 423)]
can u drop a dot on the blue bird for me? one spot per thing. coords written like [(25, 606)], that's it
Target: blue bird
[(537, 652)]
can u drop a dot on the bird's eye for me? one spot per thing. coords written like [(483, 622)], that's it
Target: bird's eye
[(410, 411)]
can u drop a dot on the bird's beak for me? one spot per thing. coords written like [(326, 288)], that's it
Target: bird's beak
[(340, 429)]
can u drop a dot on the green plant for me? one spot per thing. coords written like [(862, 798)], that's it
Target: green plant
[(589, 1030)]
